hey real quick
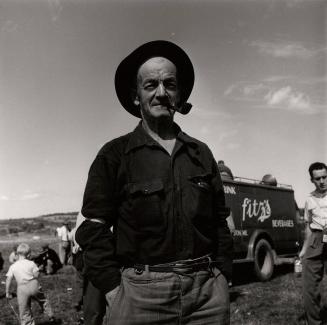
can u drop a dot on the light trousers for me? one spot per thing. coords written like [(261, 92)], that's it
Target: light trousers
[(64, 250), (150, 298), (25, 294)]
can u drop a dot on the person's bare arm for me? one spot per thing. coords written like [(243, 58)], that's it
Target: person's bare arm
[(307, 234), (8, 283)]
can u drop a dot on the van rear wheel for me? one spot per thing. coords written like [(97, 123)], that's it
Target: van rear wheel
[(263, 260)]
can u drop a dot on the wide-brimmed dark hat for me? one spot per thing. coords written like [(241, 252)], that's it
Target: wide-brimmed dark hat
[(125, 78)]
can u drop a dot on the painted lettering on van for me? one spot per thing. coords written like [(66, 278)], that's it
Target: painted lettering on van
[(240, 233), (253, 208), (229, 189), (282, 223)]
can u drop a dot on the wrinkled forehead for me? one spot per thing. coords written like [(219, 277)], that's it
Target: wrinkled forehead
[(157, 65), (318, 173)]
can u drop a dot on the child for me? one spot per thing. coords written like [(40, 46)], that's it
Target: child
[(26, 273)]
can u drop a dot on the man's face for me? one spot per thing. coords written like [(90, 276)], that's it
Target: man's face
[(319, 179), (157, 88)]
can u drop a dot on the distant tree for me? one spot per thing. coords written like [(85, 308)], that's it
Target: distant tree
[(4, 231), (39, 225), (24, 226), (13, 230)]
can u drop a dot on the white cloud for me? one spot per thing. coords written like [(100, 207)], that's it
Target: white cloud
[(246, 91), (284, 49), (289, 99), (254, 89), (265, 95), (30, 196)]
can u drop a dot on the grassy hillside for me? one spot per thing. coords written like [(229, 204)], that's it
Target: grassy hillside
[(44, 225), (278, 302)]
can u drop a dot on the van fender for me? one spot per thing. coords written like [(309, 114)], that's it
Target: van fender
[(256, 235)]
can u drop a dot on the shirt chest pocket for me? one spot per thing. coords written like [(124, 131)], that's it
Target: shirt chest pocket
[(199, 197), (146, 199)]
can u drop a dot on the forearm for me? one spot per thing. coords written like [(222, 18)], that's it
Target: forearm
[(8, 283), (306, 240), (98, 246)]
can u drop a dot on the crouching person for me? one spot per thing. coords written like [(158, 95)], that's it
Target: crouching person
[(26, 273), (47, 260)]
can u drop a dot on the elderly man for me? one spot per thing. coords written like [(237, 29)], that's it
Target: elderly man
[(169, 253), (314, 251)]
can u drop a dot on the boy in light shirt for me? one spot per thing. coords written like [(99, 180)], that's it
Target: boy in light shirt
[(26, 273)]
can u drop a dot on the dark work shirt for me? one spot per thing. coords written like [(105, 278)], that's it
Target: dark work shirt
[(161, 207), (48, 254)]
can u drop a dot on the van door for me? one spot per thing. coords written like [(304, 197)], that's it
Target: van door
[(231, 190)]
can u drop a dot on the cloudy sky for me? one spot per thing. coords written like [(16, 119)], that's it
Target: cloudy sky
[(259, 98)]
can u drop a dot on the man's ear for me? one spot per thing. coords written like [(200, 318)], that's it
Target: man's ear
[(135, 97), (136, 101)]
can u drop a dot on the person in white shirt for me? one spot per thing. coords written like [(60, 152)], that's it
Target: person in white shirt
[(26, 273), (314, 251), (64, 243)]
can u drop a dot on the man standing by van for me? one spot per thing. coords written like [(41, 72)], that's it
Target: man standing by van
[(314, 251)]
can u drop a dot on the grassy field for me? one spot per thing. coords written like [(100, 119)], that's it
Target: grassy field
[(278, 301)]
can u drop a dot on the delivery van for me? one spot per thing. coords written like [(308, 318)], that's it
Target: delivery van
[(265, 223)]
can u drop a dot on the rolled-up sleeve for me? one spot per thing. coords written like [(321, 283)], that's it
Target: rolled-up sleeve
[(96, 239), (100, 265)]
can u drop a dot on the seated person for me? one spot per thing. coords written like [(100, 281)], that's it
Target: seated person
[(47, 260), (269, 179), (225, 172)]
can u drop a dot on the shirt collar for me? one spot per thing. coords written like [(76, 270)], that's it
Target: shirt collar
[(139, 137), (317, 194)]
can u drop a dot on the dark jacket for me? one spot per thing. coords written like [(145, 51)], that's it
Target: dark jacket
[(48, 254), (162, 208)]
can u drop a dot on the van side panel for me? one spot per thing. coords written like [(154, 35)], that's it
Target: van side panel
[(266, 210)]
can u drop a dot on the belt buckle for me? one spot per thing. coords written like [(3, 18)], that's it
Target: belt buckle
[(138, 270)]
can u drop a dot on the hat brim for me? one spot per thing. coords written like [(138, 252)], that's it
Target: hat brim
[(125, 78)]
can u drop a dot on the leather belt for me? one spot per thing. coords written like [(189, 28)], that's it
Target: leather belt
[(185, 266), (315, 230)]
